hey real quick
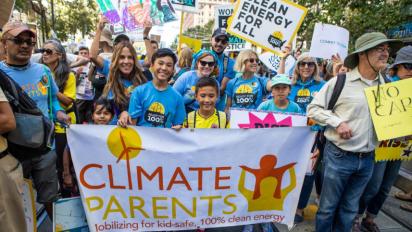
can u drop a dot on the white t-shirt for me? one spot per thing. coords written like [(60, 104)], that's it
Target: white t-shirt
[(36, 58)]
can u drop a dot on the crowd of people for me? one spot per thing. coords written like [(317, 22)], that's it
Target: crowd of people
[(107, 84)]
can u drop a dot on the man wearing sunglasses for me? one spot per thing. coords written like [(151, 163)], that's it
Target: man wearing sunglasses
[(351, 139), (36, 80), (219, 42)]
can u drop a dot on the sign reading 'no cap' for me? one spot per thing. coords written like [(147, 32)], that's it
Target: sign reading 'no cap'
[(270, 24)]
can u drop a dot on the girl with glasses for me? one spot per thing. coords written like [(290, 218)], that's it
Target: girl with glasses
[(204, 64), (246, 90), (54, 56)]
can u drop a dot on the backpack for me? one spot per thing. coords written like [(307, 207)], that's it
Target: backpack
[(34, 132), (221, 119), (320, 139)]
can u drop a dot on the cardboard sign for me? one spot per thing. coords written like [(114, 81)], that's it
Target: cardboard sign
[(29, 206), (394, 149), (191, 6), (269, 24), (130, 181), (328, 40), (194, 44), (222, 15), (5, 11), (391, 109), (69, 215), (272, 61), (130, 15)]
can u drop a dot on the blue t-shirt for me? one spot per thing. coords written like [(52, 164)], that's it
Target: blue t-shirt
[(269, 105), (225, 67), (303, 92), (246, 93), (186, 85), (35, 80), (105, 69), (154, 108)]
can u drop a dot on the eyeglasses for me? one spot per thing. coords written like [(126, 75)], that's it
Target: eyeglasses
[(222, 41), (19, 41), (204, 63), (383, 49), (47, 51), (407, 66), (309, 64), (253, 60)]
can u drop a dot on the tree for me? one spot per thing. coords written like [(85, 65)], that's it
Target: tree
[(357, 16)]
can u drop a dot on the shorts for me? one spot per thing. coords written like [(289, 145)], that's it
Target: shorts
[(42, 170)]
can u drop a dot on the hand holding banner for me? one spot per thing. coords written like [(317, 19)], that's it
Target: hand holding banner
[(269, 24), (328, 40)]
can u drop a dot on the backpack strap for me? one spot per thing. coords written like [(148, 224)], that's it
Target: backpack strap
[(191, 119), (222, 119), (337, 90)]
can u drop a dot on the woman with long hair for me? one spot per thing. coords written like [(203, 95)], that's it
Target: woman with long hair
[(54, 56), (247, 89), (204, 64), (125, 74)]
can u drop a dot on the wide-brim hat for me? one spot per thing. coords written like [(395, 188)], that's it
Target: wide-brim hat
[(403, 56), (368, 41), (106, 36)]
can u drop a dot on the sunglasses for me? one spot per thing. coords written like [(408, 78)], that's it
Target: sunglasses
[(19, 41), (204, 63), (309, 64), (407, 66), (253, 60), (46, 50), (222, 41)]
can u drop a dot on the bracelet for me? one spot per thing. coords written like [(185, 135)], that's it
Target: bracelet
[(146, 38)]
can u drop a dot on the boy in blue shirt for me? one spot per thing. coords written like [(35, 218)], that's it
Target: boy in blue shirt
[(281, 85), (156, 103)]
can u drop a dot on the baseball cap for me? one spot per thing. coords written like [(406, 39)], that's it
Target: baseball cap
[(280, 79), (16, 28), (220, 32), (106, 36)]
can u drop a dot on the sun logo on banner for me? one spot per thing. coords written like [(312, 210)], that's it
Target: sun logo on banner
[(124, 144), (268, 193)]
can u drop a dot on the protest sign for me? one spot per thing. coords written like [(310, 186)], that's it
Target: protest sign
[(269, 24), (328, 40), (130, 15), (391, 109), (194, 44), (29, 206), (222, 14), (394, 149), (69, 215), (191, 6), (272, 61), (152, 179), (240, 118)]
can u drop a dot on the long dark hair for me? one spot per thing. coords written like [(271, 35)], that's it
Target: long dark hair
[(62, 71)]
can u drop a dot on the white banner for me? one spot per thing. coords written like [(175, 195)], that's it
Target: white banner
[(272, 61), (151, 179), (222, 14), (269, 24), (328, 40)]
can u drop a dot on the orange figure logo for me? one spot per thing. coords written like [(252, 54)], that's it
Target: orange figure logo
[(268, 193)]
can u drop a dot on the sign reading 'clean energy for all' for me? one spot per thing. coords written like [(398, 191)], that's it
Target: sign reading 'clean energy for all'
[(270, 24)]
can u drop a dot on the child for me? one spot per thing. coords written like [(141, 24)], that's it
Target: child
[(156, 103), (206, 93), (103, 113), (281, 86)]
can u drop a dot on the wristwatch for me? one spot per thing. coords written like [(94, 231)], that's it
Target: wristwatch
[(146, 38)]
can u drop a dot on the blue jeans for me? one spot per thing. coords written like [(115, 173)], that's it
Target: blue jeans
[(379, 186), (346, 175)]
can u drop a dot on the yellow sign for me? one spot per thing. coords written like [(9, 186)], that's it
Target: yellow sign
[(194, 44), (394, 149), (391, 109)]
